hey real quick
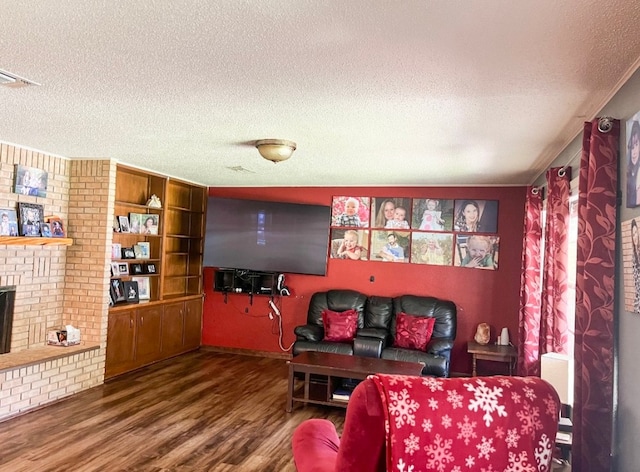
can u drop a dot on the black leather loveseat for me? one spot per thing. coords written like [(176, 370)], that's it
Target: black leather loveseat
[(376, 328)]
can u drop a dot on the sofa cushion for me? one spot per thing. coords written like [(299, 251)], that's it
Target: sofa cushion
[(413, 332), (339, 326)]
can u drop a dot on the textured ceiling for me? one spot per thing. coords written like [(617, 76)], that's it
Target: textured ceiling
[(426, 92)]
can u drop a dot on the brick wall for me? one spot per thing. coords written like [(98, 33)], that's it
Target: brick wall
[(58, 285)]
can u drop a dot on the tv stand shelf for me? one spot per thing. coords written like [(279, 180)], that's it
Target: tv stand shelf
[(245, 281)]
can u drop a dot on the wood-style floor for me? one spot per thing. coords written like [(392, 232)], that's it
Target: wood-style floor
[(203, 411)]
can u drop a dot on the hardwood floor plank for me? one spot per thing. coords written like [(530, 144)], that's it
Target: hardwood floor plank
[(203, 411)]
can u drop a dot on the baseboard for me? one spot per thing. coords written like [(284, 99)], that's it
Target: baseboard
[(247, 352)]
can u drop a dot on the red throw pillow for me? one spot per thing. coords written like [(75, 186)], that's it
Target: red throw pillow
[(413, 332), (339, 326)]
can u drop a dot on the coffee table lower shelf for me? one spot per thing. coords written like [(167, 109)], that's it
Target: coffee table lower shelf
[(323, 373)]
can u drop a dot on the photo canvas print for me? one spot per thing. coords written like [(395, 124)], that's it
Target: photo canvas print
[(8, 222), (390, 246), (432, 248), (476, 216), (477, 251), (350, 244), (31, 215), (384, 214), (432, 214), (633, 160), (350, 211), (30, 181)]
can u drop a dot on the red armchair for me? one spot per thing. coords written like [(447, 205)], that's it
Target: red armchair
[(495, 423)]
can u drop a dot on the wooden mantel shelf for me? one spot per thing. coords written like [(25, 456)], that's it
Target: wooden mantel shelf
[(34, 241)]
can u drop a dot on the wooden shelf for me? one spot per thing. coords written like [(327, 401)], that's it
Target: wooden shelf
[(136, 205), (28, 241)]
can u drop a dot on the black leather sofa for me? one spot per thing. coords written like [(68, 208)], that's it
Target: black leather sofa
[(377, 325)]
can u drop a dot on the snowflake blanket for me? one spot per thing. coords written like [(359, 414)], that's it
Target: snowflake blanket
[(483, 424)]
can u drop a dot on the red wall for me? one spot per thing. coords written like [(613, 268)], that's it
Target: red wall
[(480, 295)]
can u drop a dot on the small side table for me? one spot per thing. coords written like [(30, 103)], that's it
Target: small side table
[(492, 352)]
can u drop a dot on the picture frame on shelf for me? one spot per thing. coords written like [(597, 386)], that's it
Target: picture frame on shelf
[(123, 268), (57, 226), (144, 287), (116, 251), (128, 253), (117, 291), (123, 221), (149, 268), (149, 224), (135, 269), (142, 250), (134, 223), (31, 215), (131, 291), (8, 222), (45, 230), (30, 181), (115, 269)]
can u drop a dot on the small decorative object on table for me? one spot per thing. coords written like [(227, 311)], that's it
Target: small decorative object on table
[(483, 334), (154, 202), (65, 336)]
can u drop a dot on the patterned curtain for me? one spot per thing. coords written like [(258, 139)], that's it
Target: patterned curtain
[(530, 291), (554, 331), (595, 291)]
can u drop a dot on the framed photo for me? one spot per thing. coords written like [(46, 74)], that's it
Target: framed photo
[(115, 269), (45, 230), (123, 268), (432, 248), (57, 227), (633, 161), (142, 250), (477, 251), (149, 269), (8, 222), (128, 253), (390, 246), (117, 291), (124, 224), (136, 269), (149, 224), (31, 215), (432, 214), (391, 212), (30, 181), (144, 287), (350, 244), (131, 293), (116, 251), (135, 222)]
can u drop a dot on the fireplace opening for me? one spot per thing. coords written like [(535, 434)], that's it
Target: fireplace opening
[(7, 300)]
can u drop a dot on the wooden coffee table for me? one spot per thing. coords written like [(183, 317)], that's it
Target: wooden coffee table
[(324, 372)]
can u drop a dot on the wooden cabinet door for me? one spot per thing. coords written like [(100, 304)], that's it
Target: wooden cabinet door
[(172, 329), (149, 326), (120, 342), (192, 324)]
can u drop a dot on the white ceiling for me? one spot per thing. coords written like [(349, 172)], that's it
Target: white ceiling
[(426, 92)]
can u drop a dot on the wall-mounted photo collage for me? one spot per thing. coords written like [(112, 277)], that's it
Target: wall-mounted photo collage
[(431, 231)]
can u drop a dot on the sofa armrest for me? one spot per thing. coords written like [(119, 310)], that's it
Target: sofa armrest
[(309, 333), (440, 347)]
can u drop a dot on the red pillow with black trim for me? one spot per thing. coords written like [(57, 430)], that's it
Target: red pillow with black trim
[(339, 326), (413, 332)]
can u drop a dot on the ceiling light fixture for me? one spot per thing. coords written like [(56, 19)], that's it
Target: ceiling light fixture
[(9, 79), (275, 150)]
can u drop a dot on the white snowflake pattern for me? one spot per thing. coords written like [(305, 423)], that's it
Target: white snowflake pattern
[(427, 425), (456, 469), (439, 453), (504, 381), (486, 399), (467, 429), (485, 447), (544, 453), (529, 393), (411, 444), (551, 406), (402, 467), (529, 416), (432, 383), (433, 403), (447, 421), (403, 408), (519, 463), (515, 397), (454, 398), (470, 461), (512, 438), (488, 469), (500, 432)]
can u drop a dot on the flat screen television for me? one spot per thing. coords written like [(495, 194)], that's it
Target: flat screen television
[(267, 236)]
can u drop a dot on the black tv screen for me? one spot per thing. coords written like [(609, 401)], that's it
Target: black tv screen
[(267, 236)]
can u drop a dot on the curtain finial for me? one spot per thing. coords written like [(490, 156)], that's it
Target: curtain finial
[(605, 124)]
